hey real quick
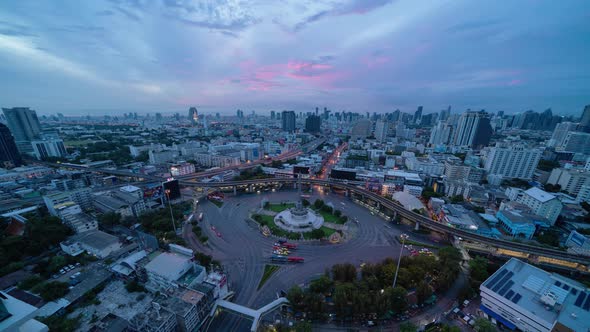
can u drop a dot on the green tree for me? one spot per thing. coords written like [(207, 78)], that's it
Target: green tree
[(457, 199), (478, 270), (423, 292), (109, 219), (344, 272), (30, 282), (53, 290), (305, 202), (318, 203), (295, 296), (133, 286), (407, 327), (56, 263), (317, 233), (484, 325), (397, 298), (321, 285)]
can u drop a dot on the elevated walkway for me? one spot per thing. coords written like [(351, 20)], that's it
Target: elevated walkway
[(248, 312)]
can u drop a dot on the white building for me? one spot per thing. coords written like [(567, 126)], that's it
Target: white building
[(97, 243), (570, 180), (576, 142), (426, 165), (71, 215), (521, 296), (560, 132), (512, 161), (441, 134), (81, 197), (182, 169), (542, 203), (166, 268), (161, 157), (49, 147), (19, 316)]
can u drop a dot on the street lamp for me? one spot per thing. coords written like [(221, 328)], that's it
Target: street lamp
[(167, 191), (403, 237)]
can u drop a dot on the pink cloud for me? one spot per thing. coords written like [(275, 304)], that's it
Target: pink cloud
[(515, 82)]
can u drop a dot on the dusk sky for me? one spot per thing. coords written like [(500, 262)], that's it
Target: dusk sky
[(97, 57)]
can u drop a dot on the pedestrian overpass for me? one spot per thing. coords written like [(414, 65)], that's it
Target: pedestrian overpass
[(243, 311)]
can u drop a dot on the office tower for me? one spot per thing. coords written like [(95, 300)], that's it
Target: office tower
[(313, 124), (24, 126), (560, 132), (444, 114), (576, 142), (361, 128), (418, 115), (288, 121), (9, 155), (473, 129), (512, 161), (193, 115), (570, 180), (317, 109), (49, 147), (382, 129), (326, 113), (441, 133), (585, 120), (158, 117), (272, 115)]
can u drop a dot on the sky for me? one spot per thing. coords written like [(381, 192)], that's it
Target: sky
[(97, 57)]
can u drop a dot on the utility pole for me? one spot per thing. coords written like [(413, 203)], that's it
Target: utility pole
[(403, 237), (167, 191)]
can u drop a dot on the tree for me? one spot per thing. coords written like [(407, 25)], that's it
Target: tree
[(303, 327), (276, 164), (344, 272), (456, 199), (30, 282), (133, 286), (423, 292), (484, 325), (318, 204), (407, 327), (305, 202), (321, 285), (397, 298), (53, 290), (109, 219), (327, 208), (318, 233), (478, 270), (56, 263), (295, 297)]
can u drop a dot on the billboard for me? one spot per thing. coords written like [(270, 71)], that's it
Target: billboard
[(174, 187), (153, 191)]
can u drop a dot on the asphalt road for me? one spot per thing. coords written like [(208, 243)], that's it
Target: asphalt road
[(244, 251)]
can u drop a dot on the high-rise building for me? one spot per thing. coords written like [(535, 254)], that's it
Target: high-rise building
[(441, 133), (418, 115), (326, 113), (313, 124), (288, 118), (473, 130), (272, 115), (24, 126), (542, 203), (49, 147), (382, 129), (9, 155), (585, 120), (193, 115), (560, 132), (576, 142), (361, 128), (512, 161), (570, 180)]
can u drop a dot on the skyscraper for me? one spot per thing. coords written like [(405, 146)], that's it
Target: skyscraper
[(441, 133), (193, 115), (474, 129), (24, 126), (272, 115), (585, 120), (9, 156), (381, 130), (418, 115), (313, 124), (288, 118)]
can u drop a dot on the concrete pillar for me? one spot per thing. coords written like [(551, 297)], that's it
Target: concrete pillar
[(378, 206), (417, 227), (395, 216), (235, 190), (250, 188)]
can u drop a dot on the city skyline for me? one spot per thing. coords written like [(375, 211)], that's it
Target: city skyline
[(356, 56)]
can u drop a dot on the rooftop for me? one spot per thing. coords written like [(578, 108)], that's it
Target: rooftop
[(97, 239), (539, 194), (549, 296), (167, 264)]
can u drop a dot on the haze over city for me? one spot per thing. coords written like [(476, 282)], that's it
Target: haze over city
[(92, 58)]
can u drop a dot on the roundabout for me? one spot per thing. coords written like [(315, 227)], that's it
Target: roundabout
[(299, 219), (244, 251)]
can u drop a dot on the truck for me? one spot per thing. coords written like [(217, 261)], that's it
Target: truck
[(278, 258), (295, 259)]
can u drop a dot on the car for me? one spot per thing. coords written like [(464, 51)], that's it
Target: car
[(71, 267), (55, 276), (218, 234), (62, 271), (66, 268), (77, 264)]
